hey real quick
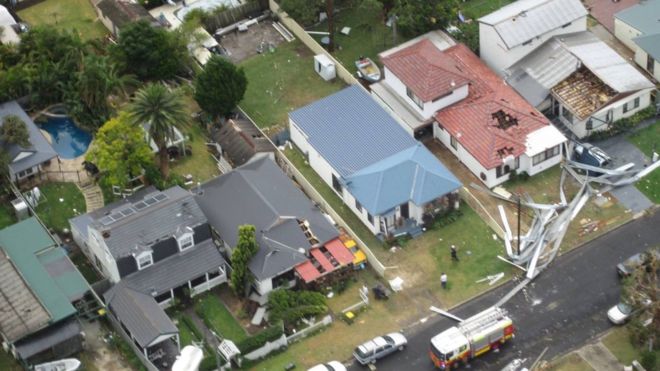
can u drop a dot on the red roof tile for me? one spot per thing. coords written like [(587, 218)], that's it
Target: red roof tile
[(320, 257), (339, 251), (471, 120), (427, 71), (307, 271)]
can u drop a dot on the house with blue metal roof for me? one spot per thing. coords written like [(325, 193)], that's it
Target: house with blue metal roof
[(638, 27), (386, 177)]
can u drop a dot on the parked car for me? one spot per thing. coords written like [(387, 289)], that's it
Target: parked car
[(330, 366), (588, 154), (629, 265), (379, 347), (621, 312)]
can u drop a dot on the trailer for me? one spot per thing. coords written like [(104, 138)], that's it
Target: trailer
[(472, 337)]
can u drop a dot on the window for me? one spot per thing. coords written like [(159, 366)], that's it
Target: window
[(186, 241), (370, 218), (636, 103), (566, 25), (625, 107), (650, 62), (336, 185), (609, 116), (545, 155), (528, 42), (144, 260), (568, 115), (453, 142), (414, 98), (502, 170), (358, 205)]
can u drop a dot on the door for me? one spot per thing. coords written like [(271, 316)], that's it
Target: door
[(405, 213)]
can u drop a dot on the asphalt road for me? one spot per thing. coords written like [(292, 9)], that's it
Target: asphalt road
[(561, 309)]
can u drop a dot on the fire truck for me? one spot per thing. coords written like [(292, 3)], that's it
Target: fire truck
[(472, 337)]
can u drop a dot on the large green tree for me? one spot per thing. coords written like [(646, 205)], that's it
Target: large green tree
[(416, 17), (245, 249), (303, 11), (96, 84), (120, 151), (162, 110), (14, 131), (150, 53), (220, 86)]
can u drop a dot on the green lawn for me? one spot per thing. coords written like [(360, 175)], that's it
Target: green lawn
[(60, 201), (217, 317), (76, 15), (200, 164), (280, 82), (618, 342), (478, 8), (6, 215), (368, 37), (331, 197), (186, 334), (8, 363), (571, 362), (646, 140)]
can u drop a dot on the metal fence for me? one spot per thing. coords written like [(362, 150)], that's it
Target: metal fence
[(325, 321)]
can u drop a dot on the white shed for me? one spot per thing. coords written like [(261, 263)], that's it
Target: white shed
[(324, 67)]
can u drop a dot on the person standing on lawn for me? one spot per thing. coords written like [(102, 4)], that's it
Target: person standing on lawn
[(454, 253), (443, 280)]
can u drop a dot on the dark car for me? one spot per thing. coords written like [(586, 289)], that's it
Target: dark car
[(629, 265), (588, 154)]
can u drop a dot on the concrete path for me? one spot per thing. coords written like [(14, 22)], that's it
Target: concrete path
[(599, 357), (623, 152), (93, 196)]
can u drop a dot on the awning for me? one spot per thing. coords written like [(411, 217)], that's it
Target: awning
[(307, 271), (542, 139), (320, 257), (339, 251)]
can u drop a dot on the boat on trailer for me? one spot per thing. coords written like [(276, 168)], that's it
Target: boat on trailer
[(367, 69), (66, 364)]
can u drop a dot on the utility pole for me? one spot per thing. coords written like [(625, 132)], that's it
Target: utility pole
[(330, 9), (518, 225)]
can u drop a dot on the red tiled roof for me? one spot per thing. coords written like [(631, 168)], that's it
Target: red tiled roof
[(307, 271), (427, 71), (471, 122), (339, 251), (320, 257)]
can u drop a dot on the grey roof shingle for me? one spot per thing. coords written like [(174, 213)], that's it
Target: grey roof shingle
[(350, 130), (644, 17), (176, 270), (41, 150), (524, 20), (240, 140), (147, 221), (260, 194), (121, 12), (140, 313), (650, 44)]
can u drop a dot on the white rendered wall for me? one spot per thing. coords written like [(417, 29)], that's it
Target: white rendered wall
[(98, 248), (624, 32), (640, 59)]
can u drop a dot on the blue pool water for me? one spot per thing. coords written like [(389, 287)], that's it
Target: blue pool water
[(68, 140)]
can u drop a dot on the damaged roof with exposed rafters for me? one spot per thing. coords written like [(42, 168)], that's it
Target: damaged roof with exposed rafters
[(493, 122)]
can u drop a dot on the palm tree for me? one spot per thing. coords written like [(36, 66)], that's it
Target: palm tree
[(162, 110)]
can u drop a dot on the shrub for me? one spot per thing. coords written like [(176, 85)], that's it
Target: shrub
[(290, 306), (623, 125), (258, 340), (649, 360), (187, 321)]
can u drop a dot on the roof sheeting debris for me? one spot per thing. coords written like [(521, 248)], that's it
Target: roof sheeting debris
[(524, 20)]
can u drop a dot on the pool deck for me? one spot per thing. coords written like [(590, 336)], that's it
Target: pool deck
[(65, 169)]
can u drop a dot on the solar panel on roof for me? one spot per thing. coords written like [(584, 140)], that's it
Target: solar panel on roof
[(150, 201), (116, 216), (140, 205), (127, 211), (160, 197), (106, 220)]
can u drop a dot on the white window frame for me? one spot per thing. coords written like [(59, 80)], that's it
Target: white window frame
[(418, 101), (185, 241), (142, 255)]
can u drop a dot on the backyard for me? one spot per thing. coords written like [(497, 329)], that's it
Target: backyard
[(280, 82), (58, 203), (200, 164), (76, 15), (368, 36), (478, 8), (647, 140), (217, 318)]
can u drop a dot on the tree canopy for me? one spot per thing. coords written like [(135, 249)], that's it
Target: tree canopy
[(291, 306), (416, 17), (14, 131), (120, 151), (303, 11), (150, 53), (220, 86), (245, 249)]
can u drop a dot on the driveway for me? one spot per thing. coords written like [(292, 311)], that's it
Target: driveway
[(562, 309), (623, 152)]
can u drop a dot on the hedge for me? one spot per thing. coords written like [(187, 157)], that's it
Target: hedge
[(255, 342), (189, 323), (624, 124)]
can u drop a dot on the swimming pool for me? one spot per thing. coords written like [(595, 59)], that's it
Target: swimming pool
[(68, 140)]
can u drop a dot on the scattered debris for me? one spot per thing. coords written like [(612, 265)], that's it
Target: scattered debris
[(396, 284), (445, 313), (492, 278)]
